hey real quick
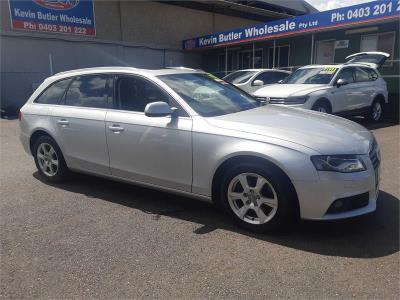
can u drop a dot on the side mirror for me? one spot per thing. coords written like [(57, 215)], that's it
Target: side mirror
[(341, 82), (159, 109), (258, 83), (280, 81)]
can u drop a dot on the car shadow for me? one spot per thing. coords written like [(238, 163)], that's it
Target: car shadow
[(386, 122), (373, 235)]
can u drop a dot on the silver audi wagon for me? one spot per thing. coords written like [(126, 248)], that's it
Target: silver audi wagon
[(188, 132)]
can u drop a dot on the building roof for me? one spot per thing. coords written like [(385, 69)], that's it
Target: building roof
[(290, 7), (263, 10)]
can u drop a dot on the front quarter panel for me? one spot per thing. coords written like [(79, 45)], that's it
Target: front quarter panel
[(212, 146)]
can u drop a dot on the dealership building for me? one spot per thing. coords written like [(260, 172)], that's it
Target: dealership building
[(42, 37)]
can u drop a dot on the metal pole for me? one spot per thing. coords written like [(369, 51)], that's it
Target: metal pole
[(226, 61), (273, 59), (51, 64), (253, 54), (312, 48)]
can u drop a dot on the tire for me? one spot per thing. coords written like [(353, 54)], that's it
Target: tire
[(322, 106), (254, 211), (49, 160), (376, 111)]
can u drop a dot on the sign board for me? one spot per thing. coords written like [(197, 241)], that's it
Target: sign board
[(352, 15), (61, 16), (341, 44)]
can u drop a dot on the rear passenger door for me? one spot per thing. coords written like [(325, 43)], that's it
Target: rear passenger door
[(80, 123), (154, 150), (364, 79)]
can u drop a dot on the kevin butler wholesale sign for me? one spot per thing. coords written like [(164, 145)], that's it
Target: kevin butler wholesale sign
[(61, 16), (352, 15)]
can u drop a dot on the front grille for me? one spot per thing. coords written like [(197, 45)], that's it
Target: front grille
[(277, 100), (348, 203)]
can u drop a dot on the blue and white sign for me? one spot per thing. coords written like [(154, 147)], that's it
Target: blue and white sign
[(357, 14), (62, 16)]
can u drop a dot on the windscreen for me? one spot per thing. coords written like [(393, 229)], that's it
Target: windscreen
[(320, 75), (208, 95), (239, 76)]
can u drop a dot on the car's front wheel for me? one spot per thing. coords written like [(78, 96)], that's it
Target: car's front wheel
[(258, 198), (322, 106), (49, 160)]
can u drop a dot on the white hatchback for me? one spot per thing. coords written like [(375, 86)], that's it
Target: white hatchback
[(353, 88)]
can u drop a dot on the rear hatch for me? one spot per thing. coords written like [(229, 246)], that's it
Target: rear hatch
[(374, 59)]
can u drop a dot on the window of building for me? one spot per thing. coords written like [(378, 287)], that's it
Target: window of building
[(325, 52), (383, 42), (246, 59), (88, 91), (281, 57), (54, 93)]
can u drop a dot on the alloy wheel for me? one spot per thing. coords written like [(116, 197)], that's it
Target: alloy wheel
[(376, 111), (252, 198), (47, 159)]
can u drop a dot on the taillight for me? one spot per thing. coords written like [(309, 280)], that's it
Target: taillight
[(20, 115)]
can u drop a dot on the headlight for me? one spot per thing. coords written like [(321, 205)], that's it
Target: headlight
[(338, 163), (296, 100)]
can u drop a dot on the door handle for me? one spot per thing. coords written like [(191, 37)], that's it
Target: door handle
[(63, 122), (116, 128)]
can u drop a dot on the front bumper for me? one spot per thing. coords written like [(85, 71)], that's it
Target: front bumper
[(316, 197)]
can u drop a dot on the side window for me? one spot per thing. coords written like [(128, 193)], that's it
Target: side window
[(362, 75), (271, 77), (134, 93), (89, 91), (54, 93), (371, 74), (346, 74)]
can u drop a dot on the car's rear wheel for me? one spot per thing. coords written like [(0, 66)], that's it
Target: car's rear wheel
[(257, 198), (49, 160), (376, 111)]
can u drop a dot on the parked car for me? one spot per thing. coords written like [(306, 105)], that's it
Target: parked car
[(353, 88), (190, 133), (253, 79)]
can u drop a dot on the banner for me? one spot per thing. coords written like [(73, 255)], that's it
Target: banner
[(60, 16), (352, 15)]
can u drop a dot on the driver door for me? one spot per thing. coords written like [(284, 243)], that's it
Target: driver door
[(153, 150), (346, 96)]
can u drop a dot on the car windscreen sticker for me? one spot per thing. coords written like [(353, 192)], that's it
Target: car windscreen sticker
[(328, 70), (213, 77)]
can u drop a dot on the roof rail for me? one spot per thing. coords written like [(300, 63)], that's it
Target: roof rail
[(92, 69), (181, 68)]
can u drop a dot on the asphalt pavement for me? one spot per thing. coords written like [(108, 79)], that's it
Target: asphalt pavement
[(92, 237)]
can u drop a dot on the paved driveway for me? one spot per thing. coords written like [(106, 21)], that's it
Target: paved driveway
[(96, 238)]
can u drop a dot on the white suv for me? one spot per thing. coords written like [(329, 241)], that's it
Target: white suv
[(353, 88)]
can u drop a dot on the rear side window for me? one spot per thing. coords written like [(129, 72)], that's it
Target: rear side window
[(362, 75), (89, 91), (54, 93), (372, 74)]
